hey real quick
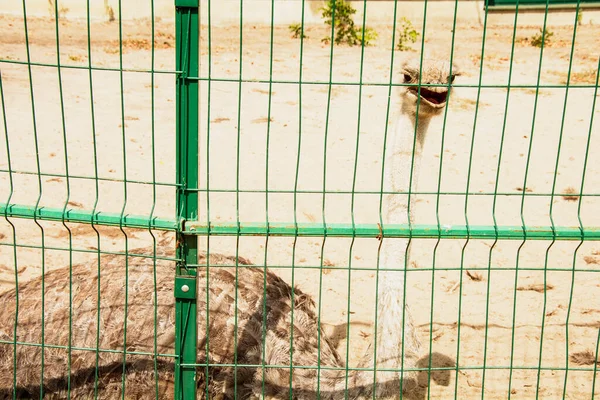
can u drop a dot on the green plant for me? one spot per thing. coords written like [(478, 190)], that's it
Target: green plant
[(368, 36), (579, 16), (407, 34), (296, 30), (345, 29), (541, 38)]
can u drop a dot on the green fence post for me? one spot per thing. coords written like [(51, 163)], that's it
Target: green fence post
[(186, 332)]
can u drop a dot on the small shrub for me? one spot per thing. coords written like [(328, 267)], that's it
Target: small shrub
[(541, 38), (345, 29), (52, 10), (407, 34), (109, 11), (370, 36), (296, 30)]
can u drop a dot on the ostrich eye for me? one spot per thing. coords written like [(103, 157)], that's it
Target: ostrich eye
[(407, 78), (452, 78)]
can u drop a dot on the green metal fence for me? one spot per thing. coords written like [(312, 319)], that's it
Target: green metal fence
[(110, 220)]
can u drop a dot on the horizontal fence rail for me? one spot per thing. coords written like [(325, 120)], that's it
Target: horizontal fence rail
[(501, 232)]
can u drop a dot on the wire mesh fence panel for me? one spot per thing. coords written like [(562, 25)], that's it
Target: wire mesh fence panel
[(311, 199)]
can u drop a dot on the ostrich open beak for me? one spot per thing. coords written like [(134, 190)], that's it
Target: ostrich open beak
[(434, 97)]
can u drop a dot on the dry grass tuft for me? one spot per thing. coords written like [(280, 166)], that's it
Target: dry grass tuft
[(262, 120), (538, 91), (462, 103), (161, 41), (591, 260), (587, 76), (586, 357), (589, 311), (475, 276), (309, 217), (520, 189), (262, 91), (536, 287), (327, 263), (570, 194), (551, 313)]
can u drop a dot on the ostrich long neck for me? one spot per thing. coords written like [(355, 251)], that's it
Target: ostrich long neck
[(399, 160), (403, 166), (394, 340)]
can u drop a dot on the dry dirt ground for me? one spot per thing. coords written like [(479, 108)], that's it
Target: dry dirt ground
[(544, 315)]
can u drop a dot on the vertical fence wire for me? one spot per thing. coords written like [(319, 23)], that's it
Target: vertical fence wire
[(384, 158), (96, 197), (596, 355), (295, 201), (209, 63), (473, 134), (412, 178), (237, 194), (68, 196), (551, 211), (14, 238), (583, 179), (37, 203), (438, 196), (123, 208), (353, 190), (324, 189), (553, 241), (495, 195), (267, 161), (153, 207), (495, 198)]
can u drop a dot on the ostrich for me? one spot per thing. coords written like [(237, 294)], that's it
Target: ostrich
[(407, 143), (260, 336)]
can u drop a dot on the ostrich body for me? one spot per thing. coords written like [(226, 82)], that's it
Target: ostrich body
[(252, 295), (260, 335)]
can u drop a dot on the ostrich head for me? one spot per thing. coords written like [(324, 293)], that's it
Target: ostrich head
[(432, 98)]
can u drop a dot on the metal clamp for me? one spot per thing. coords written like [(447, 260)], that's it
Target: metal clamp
[(185, 287), (186, 3)]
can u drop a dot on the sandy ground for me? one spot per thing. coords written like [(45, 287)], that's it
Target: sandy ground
[(477, 319)]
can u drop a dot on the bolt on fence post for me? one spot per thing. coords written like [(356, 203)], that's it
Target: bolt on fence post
[(186, 331)]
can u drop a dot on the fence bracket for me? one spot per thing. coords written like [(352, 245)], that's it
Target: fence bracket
[(185, 287), (186, 3)]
